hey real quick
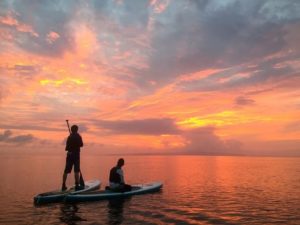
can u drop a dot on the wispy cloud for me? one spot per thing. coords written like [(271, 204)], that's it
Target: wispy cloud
[(169, 75), (8, 137), (139, 127), (242, 101)]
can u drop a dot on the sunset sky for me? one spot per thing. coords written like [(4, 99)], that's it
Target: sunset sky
[(157, 76)]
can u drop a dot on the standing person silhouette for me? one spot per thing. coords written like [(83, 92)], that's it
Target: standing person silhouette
[(74, 142)]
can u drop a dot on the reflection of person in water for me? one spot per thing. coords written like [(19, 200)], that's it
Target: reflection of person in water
[(115, 211), (69, 214)]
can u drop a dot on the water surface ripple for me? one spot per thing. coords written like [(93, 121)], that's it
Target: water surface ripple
[(197, 190)]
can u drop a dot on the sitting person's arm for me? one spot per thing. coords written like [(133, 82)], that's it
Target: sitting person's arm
[(120, 172)]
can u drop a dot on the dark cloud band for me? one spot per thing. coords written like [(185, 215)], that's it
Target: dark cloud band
[(143, 127)]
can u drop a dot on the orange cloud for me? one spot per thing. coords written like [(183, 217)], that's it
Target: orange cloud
[(86, 41), (99, 77)]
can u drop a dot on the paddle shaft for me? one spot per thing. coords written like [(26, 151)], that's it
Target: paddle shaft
[(68, 126)]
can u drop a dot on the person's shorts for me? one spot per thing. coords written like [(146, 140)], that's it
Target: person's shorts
[(73, 158)]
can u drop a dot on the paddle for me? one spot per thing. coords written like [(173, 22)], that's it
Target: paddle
[(81, 180)]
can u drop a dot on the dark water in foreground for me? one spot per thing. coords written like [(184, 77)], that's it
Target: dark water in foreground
[(197, 190)]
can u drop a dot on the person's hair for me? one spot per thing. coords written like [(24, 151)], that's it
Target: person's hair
[(121, 162), (74, 129)]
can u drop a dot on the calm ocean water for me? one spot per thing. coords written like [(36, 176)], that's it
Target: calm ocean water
[(197, 190)]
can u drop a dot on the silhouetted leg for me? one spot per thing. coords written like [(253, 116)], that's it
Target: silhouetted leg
[(76, 178), (124, 188), (68, 169), (64, 187), (76, 158)]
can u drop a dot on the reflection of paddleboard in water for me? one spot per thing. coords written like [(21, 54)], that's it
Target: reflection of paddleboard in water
[(108, 194), (58, 195)]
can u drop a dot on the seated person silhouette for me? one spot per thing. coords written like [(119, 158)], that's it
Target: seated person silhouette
[(116, 178)]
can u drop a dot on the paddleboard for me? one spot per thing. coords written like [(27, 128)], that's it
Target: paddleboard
[(58, 195), (108, 194)]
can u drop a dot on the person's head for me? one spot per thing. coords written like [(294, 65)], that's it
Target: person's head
[(74, 129), (121, 162)]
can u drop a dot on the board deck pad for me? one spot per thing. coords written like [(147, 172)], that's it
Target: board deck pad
[(58, 195), (109, 194)]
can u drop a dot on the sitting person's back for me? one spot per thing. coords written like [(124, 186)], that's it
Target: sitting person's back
[(116, 178)]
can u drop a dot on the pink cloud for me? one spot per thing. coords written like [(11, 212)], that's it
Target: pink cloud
[(52, 37), (10, 21), (159, 6)]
